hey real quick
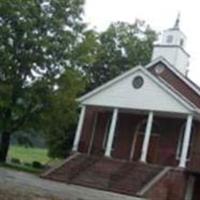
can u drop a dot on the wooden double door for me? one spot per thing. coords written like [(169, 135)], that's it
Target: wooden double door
[(123, 147), (153, 149)]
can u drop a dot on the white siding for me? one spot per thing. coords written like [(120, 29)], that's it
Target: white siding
[(150, 97), (174, 55), (177, 37)]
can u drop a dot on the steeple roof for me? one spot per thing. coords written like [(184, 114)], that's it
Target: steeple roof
[(177, 22)]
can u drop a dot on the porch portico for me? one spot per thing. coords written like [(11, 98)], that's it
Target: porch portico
[(147, 136)]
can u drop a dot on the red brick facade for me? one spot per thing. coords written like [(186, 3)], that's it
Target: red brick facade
[(178, 84), (128, 141), (128, 138), (171, 187)]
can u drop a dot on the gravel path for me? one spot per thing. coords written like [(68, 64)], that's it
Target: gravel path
[(22, 186)]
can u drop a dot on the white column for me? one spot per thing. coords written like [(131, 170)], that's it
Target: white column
[(147, 136), (79, 129), (186, 142), (111, 133)]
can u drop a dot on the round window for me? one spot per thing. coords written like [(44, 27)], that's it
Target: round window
[(138, 81), (159, 69)]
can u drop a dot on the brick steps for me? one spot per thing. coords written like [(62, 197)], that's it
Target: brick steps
[(71, 168), (136, 176), (105, 174), (98, 175)]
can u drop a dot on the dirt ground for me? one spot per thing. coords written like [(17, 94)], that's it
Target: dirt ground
[(10, 191), (22, 186), (7, 194)]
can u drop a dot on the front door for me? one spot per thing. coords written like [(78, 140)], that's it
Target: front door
[(153, 148)]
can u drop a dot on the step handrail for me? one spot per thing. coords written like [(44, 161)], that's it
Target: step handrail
[(46, 173), (153, 181)]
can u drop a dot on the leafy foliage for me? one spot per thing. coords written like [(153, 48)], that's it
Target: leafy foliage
[(37, 38), (107, 54), (59, 122), (48, 59)]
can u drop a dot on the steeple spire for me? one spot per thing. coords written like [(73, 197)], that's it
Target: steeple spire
[(177, 22)]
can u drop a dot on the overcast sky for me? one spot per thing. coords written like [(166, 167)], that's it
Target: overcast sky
[(158, 14)]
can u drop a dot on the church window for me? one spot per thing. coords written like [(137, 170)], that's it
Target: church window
[(159, 68), (138, 82), (169, 39), (182, 42)]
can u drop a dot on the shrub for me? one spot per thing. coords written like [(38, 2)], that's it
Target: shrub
[(27, 164), (15, 161), (37, 165)]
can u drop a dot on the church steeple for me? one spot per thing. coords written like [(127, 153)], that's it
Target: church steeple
[(177, 22), (172, 47)]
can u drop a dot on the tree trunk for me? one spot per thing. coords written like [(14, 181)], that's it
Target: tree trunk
[(4, 146)]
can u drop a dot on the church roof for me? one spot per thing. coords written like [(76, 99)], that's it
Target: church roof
[(182, 84), (171, 80)]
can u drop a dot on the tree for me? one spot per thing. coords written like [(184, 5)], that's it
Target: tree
[(104, 55), (99, 57), (59, 121), (37, 38)]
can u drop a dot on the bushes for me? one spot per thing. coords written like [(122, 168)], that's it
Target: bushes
[(37, 165), (34, 164), (15, 161)]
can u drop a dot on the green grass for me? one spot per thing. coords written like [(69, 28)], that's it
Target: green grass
[(28, 155), (22, 168)]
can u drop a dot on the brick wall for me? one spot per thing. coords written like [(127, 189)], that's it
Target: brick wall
[(171, 78), (170, 187)]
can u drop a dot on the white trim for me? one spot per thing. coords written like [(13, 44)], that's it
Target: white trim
[(147, 137), (186, 141), (79, 129), (170, 66), (111, 133), (130, 72)]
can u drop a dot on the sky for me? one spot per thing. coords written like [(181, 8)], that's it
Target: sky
[(160, 15)]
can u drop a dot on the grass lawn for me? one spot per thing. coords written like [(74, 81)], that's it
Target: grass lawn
[(22, 168), (28, 155)]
